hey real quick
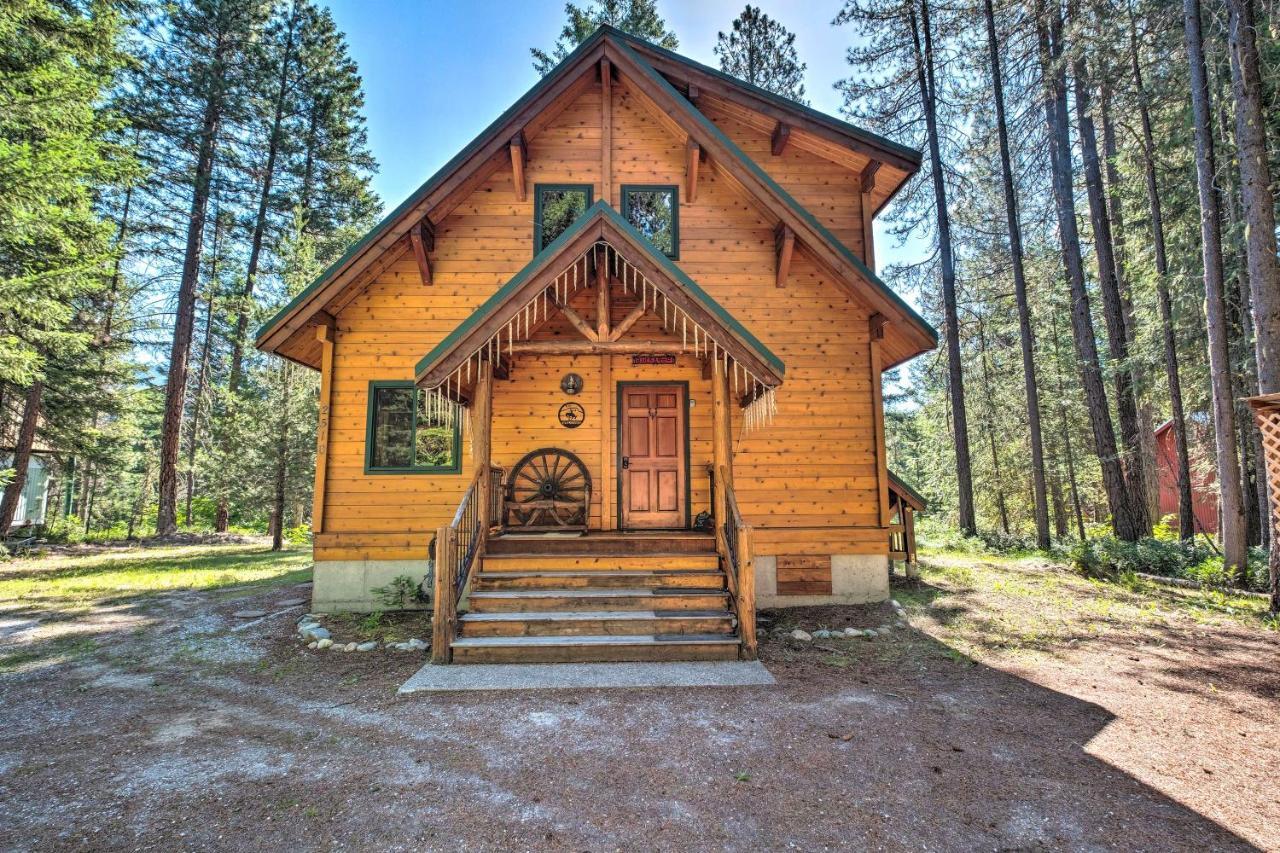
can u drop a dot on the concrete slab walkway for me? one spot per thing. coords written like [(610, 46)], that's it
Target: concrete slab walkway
[(433, 678)]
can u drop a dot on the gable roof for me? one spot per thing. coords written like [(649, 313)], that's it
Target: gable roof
[(605, 42), (904, 490), (598, 222)]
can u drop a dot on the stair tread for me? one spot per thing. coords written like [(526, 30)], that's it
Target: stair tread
[(577, 573), (584, 615), (617, 555), (602, 592), (600, 640)]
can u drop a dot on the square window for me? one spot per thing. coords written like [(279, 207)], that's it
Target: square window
[(555, 208), (405, 437), (655, 213)]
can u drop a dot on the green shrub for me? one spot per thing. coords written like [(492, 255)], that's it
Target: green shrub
[(1196, 561), (400, 593)]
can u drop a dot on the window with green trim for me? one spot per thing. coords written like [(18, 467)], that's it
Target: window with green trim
[(655, 213), (555, 208), (404, 437)]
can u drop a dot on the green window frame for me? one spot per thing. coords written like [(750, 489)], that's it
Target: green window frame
[(371, 427), (538, 191), (628, 190)]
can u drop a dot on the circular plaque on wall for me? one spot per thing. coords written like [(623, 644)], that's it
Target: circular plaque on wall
[(571, 384), (571, 416)]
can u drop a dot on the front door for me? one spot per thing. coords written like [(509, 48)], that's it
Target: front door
[(654, 465)]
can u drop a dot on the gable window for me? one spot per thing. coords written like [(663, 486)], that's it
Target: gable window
[(404, 437), (655, 213), (555, 207)]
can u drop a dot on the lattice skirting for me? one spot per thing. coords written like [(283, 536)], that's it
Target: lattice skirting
[(1266, 411)]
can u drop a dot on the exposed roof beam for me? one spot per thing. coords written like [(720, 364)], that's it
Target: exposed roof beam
[(422, 238), (781, 136), (869, 176), (519, 153), (784, 240), (692, 154), (577, 321)]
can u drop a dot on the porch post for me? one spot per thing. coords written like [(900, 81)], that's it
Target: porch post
[(325, 335), (481, 443), (721, 438)]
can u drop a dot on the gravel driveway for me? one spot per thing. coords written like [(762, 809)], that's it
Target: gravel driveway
[(175, 732)]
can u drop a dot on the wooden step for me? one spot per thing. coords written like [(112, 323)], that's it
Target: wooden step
[(596, 622), (542, 600), (648, 579), (608, 542), (597, 562), (595, 648)]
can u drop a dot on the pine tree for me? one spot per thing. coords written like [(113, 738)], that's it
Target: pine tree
[(638, 17), (762, 52)]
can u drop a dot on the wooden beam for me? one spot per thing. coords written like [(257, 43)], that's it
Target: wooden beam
[(325, 335), (422, 240), (721, 444), (781, 136), (784, 240), (869, 176), (627, 322), (606, 444), (876, 324), (519, 154), (692, 155), (694, 94), (594, 347), (481, 444), (606, 131), (577, 321), (602, 296)]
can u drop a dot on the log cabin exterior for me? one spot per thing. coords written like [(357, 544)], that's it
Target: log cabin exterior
[(617, 368)]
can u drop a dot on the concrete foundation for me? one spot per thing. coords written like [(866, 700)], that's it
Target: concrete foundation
[(855, 579), (347, 585)]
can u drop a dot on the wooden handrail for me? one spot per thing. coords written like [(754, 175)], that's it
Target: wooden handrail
[(460, 547), (734, 544)]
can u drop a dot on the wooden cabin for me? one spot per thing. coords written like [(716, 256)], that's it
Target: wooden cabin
[(611, 378)]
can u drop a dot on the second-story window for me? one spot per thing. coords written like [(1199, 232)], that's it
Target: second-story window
[(555, 207), (655, 212)]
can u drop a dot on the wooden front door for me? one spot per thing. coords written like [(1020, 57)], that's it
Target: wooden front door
[(653, 469)]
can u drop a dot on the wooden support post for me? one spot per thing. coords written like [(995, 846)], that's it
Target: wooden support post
[(519, 154), (692, 156), (781, 136), (602, 295), (444, 608), (325, 335), (606, 490), (721, 441), (606, 131), (876, 326), (481, 444), (422, 238), (784, 240), (869, 214), (909, 537), (746, 592)]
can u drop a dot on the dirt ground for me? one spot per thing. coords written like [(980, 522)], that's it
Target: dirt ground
[(166, 723)]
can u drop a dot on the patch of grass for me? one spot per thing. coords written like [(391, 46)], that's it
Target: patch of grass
[(64, 581), (44, 654)]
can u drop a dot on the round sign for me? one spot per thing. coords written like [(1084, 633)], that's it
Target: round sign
[(572, 416), (571, 384)]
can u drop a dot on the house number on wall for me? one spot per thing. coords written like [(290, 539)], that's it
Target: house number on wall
[(572, 416)]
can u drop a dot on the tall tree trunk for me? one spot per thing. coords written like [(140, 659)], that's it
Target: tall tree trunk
[(959, 414), (21, 455), (1186, 514), (1260, 220), (264, 199), (1049, 32), (1066, 433), (202, 381), (1059, 507), (1112, 303), (988, 391), (180, 352), (282, 458), (1231, 503), (1020, 288)]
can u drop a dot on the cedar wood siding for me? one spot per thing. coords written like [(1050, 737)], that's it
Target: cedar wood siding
[(807, 482)]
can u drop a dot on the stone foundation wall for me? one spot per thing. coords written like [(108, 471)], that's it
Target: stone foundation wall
[(347, 585), (855, 579)]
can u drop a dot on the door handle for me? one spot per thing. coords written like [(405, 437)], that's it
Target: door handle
[(626, 463)]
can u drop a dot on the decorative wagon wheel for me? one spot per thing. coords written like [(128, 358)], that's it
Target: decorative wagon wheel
[(549, 489)]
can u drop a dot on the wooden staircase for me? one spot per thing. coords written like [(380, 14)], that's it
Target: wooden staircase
[(602, 597)]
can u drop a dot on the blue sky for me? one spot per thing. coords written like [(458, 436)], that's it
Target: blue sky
[(436, 73)]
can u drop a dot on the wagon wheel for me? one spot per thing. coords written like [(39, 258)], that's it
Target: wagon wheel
[(548, 488)]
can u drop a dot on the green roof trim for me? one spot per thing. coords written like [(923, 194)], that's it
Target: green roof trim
[(599, 210), (785, 103), (431, 183), (903, 486), (709, 127)]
